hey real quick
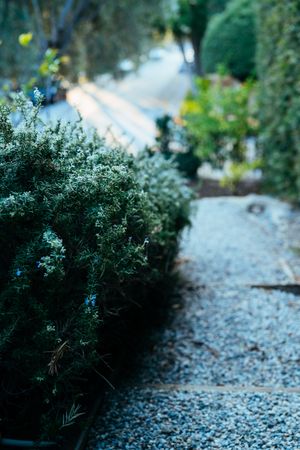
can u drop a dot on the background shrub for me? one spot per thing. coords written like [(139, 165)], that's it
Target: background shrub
[(83, 227), (173, 141), (230, 40), (219, 117), (279, 73)]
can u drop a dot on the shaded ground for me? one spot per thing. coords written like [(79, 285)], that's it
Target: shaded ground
[(224, 370)]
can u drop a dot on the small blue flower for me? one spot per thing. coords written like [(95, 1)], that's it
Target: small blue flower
[(38, 264), (90, 300), (18, 272)]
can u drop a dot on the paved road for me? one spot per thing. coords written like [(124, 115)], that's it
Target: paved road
[(129, 107), (224, 371)]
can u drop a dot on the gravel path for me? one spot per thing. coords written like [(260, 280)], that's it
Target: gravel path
[(224, 371)]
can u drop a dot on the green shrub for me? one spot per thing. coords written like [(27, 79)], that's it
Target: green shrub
[(82, 227), (174, 142), (230, 40), (237, 173), (279, 73), (219, 118)]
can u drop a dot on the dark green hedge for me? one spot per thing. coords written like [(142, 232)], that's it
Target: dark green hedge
[(230, 40), (83, 229), (279, 73)]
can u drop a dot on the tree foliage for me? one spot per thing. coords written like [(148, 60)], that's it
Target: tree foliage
[(96, 34), (279, 73)]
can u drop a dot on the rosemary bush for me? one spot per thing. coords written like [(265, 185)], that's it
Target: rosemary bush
[(82, 226)]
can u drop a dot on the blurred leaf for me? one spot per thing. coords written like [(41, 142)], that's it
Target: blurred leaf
[(25, 39)]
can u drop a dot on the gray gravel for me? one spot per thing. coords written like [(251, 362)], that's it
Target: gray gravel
[(234, 336), (220, 373), (147, 419), (228, 244)]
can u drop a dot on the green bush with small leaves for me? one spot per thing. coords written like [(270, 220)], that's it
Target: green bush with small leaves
[(230, 40), (279, 74), (84, 228)]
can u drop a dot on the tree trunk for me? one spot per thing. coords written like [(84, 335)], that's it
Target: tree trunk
[(182, 49), (196, 43)]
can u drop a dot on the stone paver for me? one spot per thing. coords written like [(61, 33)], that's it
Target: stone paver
[(224, 371)]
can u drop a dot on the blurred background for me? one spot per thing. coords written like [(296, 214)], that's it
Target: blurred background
[(175, 76), (193, 79)]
